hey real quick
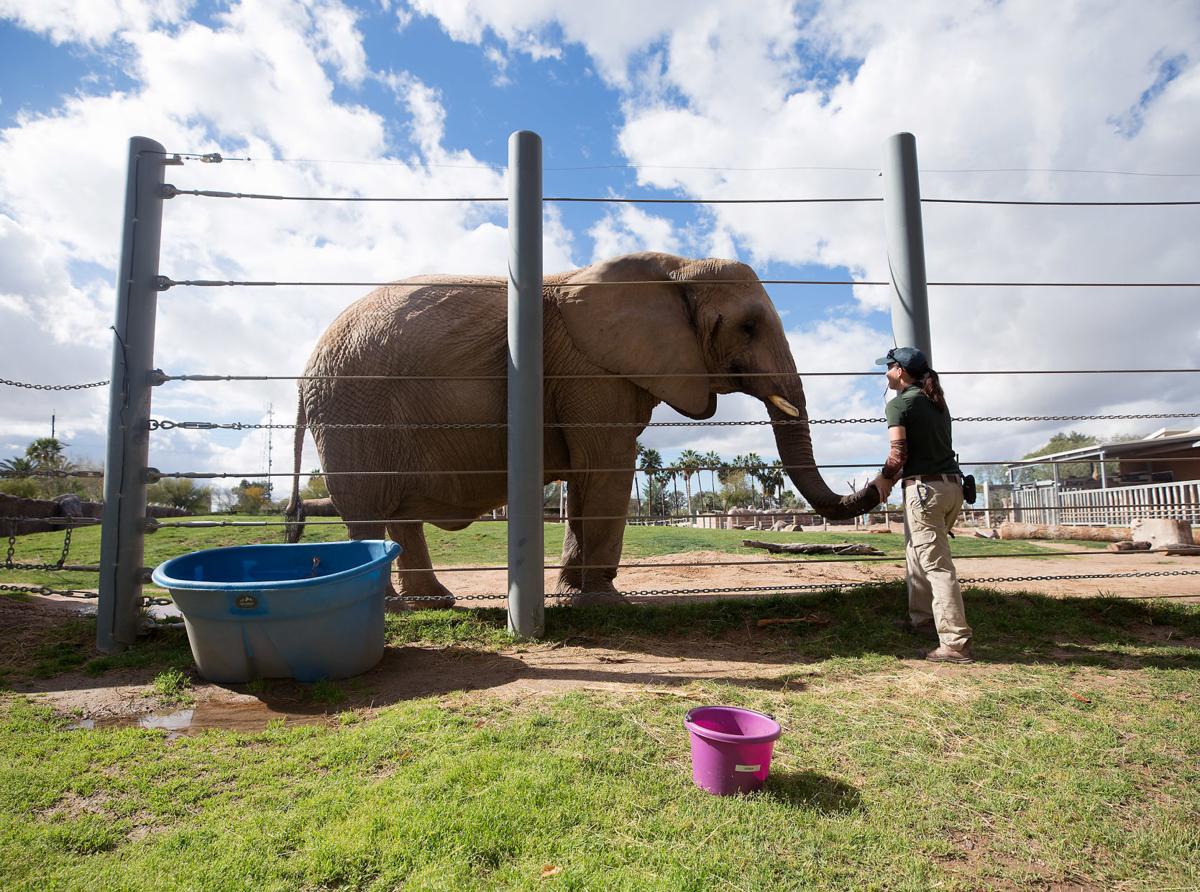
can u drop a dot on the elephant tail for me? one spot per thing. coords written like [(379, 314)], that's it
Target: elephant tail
[(294, 513)]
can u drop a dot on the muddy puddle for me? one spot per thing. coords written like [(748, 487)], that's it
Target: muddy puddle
[(250, 715)]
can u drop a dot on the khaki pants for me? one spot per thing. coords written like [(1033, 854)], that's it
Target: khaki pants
[(930, 509)]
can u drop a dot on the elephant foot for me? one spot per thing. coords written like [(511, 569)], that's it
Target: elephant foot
[(595, 595)]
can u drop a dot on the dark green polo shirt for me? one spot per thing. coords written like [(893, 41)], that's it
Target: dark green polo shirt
[(927, 430)]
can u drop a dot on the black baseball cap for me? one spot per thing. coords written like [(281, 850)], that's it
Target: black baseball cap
[(910, 359)]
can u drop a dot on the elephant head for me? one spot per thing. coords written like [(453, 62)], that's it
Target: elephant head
[(695, 329)]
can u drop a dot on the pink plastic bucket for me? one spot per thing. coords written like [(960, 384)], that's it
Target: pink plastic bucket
[(731, 748)]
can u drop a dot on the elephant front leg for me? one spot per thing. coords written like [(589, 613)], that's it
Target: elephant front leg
[(592, 543), (417, 579)]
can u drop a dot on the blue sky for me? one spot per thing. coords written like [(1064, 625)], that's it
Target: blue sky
[(712, 98)]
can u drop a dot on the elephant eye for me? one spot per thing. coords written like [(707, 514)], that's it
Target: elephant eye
[(750, 326)]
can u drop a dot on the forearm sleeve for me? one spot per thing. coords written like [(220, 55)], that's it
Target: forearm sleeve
[(897, 455)]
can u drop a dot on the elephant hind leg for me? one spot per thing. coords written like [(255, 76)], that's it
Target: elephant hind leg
[(359, 531), (417, 579)]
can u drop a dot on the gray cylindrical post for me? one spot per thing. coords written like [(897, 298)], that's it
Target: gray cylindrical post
[(526, 584), (906, 244), (122, 532)]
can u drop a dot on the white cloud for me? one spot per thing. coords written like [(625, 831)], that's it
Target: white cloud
[(628, 229), (255, 84), (984, 86), (92, 21)]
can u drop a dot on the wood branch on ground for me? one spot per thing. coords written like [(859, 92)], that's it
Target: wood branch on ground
[(811, 548)]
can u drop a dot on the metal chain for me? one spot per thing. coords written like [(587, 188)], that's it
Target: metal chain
[(824, 586), (44, 590), (156, 424), (52, 386), (9, 564)]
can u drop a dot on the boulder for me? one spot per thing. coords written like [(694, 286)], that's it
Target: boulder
[(1160, 531)]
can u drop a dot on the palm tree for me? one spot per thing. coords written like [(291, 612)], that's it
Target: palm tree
[(46, 453), (651, 464), (689, 463), (17, 467), (713, 461), (753, 468), (772, 479)]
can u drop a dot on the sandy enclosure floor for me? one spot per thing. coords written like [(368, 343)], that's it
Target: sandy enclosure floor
[(682, 573), (518, 673)]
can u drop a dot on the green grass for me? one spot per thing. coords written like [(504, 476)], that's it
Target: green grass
[(483, 544), (1070, 755)]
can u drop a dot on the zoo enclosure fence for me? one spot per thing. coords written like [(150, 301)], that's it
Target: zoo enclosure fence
[(134, 375)]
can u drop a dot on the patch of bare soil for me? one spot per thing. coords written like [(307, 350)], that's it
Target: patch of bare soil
[(665, 667)]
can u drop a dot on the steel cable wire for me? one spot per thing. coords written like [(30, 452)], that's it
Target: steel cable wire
[(167, 283), (600, 375), (169, 191), (162, 424)]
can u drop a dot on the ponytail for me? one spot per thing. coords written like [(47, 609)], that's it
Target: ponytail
[(932, 388)]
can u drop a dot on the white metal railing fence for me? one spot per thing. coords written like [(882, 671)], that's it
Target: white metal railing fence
[(1117, 506)]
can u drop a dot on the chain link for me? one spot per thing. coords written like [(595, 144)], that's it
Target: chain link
[(819, 586), (163, 424), (9, 564), (52, 386), (44, 590)]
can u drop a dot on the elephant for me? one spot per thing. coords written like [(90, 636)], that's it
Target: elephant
[(686, 331)]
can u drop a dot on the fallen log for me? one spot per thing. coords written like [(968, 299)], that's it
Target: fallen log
[(1011, 530), (811, 548)]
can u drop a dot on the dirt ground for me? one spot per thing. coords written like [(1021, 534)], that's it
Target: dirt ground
[(127, 697), (682, 573)]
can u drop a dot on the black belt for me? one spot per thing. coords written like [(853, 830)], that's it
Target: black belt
[(932, 478)]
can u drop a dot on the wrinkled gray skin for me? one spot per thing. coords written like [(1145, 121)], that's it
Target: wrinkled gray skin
[(686, 324)]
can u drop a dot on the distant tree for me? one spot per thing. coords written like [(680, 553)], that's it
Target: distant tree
[(772, 480), (315, 488), (735, 491), (713, 461), (250, 497), (17, 467), (689, 463), (16, 480), (1059, 443), (180, 493), (47, 454)]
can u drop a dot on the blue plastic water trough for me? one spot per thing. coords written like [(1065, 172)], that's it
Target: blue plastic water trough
[(303, 611)]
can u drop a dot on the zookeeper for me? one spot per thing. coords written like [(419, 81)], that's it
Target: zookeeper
[(922, 457)]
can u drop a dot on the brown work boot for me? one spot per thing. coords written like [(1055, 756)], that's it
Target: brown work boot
[(944, 653)]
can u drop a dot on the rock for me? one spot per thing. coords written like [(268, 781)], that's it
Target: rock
[(987, 534), (1160, 531), (68, 505)]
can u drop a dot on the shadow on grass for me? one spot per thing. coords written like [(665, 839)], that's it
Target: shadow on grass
[(1009, 627), (813, 791), (433, 652)]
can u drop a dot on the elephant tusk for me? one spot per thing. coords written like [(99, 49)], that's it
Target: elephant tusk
[(784, 406)]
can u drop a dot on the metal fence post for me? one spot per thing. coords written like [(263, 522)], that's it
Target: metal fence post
[(122, 532), (906, 252), (526, 583), (906, 244)]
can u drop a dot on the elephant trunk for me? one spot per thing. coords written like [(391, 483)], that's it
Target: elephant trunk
[(794, 441)]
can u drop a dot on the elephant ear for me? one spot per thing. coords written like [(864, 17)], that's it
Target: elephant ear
[(643, 332)]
